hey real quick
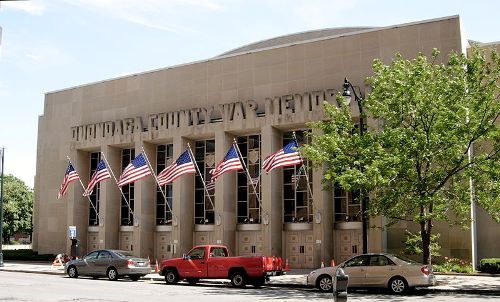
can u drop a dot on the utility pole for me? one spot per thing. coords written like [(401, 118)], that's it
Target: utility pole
[(1, 206)]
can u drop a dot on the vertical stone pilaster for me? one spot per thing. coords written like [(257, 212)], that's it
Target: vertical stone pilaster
[(183, 203), (110, 200), (272, 195), (144, 220), (225, 196), (78, 206)]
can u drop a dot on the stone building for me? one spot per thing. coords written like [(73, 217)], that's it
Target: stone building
[(257, 95)]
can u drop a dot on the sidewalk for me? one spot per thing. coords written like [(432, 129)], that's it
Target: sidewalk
[(471, 284)]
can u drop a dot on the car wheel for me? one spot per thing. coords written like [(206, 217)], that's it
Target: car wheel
[(112, 274), (192, 281), (398, 285), (135, 277), (238, 279), (72, 272), (324, 283), (171, 277)]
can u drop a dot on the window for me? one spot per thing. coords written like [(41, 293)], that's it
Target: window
[(218, 252), (95, 157), (297, 186), (92, 255), (248, 206), (357, 261), (380, 260), (104, 255), (127, 218), (164, 154), (347, 206), (197, 253), (205, 159)]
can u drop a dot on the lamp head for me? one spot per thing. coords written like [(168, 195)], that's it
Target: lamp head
[(346, 94)]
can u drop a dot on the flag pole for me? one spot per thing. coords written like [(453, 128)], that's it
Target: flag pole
[(199, 173), (302, 166), (116, 181), (81, 183), (174, 217), (247, 172)]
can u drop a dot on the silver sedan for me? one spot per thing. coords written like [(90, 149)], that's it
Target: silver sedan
[(376, 271), (108, 263)]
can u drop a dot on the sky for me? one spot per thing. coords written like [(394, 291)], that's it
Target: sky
[(49, 45)]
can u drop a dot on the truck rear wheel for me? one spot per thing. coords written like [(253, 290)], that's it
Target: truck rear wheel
[(238, 279), (171, 276)]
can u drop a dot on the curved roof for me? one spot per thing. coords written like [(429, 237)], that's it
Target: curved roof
[(294, 38)]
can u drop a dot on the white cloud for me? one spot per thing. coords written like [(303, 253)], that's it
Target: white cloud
[(33, 7), (158, 14)]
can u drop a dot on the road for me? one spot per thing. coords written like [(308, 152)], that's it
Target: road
[(37, 287)]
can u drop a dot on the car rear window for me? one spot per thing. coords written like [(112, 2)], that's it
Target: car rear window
[(123, 254), (409, 261)]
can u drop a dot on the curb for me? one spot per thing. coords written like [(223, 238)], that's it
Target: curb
[(285, 285)]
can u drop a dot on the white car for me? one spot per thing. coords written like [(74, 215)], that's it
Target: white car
[(376, 271)]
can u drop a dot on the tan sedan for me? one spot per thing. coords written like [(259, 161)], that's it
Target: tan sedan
[(377, 271), (108, 263)]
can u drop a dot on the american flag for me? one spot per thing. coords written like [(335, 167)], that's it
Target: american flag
[(101, 173), (230, 162), (69, 176), (136, 170), (210, 185), (181, 166), (254, 180), (288, 156)]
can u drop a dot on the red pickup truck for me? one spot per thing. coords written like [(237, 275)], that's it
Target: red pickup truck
[(214, 262)]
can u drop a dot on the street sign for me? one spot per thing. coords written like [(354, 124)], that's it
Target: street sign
[(72, 231)]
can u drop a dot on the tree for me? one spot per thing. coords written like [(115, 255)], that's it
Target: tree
[(17, 207), (415, 166)]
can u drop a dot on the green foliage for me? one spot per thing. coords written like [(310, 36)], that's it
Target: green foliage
[(490, 265), (26, 255), (413, 244), (414, 164), (17, 207), (453, 265)]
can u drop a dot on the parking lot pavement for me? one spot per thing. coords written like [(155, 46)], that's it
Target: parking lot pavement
[(475, 283)]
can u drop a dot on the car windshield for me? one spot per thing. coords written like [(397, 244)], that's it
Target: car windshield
[(408, 261)]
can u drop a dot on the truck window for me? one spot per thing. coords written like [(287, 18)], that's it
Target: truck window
[(197, 253), (218, 252)]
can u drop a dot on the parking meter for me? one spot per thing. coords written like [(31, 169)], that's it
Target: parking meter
[(74, 248), (340, 282)]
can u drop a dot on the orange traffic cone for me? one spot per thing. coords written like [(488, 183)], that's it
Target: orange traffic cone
[(286, 265), (156, 266), (332, 263), (322, 264)]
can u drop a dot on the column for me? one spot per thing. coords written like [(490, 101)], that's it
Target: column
[(183, 204), (144, 220), (110, 199), (272, 195)]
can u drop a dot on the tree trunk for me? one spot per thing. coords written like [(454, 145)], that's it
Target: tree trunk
[(425, 233)]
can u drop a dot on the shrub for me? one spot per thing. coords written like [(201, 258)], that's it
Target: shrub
[(26, 255), (490, 265), (454, 265)]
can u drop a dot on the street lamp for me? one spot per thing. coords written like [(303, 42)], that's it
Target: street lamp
[(359, 100)]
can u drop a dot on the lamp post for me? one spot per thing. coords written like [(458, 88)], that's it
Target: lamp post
[(1, 207), (359, 100)]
